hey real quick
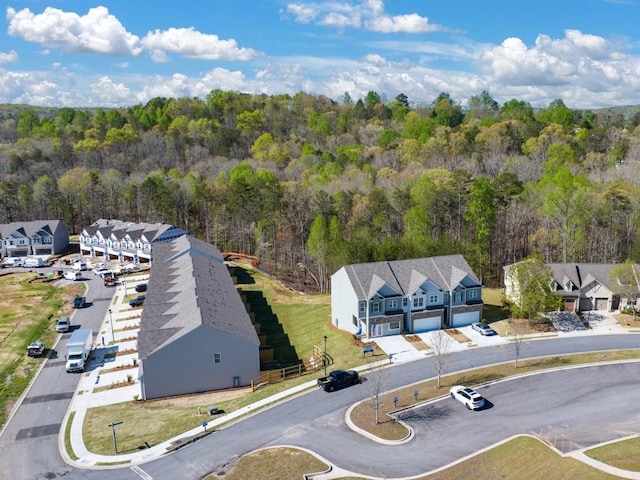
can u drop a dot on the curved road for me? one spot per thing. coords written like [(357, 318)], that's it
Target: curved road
[(579, 407)]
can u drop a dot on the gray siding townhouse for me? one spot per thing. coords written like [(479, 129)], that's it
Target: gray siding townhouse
[(582, 286), (405, 296), (195, 333), (125, 241), (38, 237)]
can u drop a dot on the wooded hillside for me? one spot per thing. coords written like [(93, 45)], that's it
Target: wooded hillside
[(310, 184)]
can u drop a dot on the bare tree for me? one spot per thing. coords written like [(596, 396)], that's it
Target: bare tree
[(440, 344), (375, 385), (517, 339)]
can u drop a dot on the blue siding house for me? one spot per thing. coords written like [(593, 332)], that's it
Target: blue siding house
[(405, 296)]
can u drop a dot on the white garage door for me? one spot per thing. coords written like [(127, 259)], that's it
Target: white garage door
[(602, 304), (464, 319), (426, 324)]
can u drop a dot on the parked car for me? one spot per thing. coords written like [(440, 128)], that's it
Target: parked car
[(137, 302), (35, 349), (141, 287), (467, 396), (79, 302), (63, 324), (483, 328)]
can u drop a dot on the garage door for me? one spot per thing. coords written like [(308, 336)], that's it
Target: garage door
[(464, 319), (426, 324), (569, 305), (602, 304)]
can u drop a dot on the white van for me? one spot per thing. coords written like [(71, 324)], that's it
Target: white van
[(31, 262), (74, 275), (79, 265)]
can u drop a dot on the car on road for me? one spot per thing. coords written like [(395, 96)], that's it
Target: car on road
[(137, 302), (467, 396), (79, 302), (63, 324), (141, 287), (338, 379), (101, 271), (483, 329)]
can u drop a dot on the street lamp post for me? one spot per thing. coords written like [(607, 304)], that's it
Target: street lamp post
[(113, 335), (113, 431), (324, 356)]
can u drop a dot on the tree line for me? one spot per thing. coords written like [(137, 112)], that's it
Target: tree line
[(309, 184)]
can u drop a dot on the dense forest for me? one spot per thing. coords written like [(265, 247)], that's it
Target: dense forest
[(310, 184)]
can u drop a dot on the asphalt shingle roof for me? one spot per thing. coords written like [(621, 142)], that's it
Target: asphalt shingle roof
[(406, 276), (190, 287)]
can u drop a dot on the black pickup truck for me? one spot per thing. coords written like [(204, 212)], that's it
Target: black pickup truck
[(338, 379)]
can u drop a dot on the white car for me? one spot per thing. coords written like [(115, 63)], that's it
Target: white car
[(101, 271), (467, 396)]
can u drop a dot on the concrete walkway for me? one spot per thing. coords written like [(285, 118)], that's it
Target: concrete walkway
[(107, 368)]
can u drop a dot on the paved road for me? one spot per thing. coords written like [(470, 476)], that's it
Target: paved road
[(316, 419), (29, 443)]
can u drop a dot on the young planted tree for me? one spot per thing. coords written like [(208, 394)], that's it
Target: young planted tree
[(440, 344), (625, 281), (375, 386)]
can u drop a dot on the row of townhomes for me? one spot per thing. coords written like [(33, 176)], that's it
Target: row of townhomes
[(405, 296), (38, 237), (582, 286), (195, 333), (125, 241)]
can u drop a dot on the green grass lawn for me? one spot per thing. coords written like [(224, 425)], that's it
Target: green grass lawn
[(622, 455)]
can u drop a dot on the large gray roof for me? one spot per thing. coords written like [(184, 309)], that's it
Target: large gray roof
[(406, 276), (190, 287)]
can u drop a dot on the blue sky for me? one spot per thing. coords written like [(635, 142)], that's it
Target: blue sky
[(125, 52)]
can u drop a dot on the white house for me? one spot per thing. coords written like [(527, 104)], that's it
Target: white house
[(405, 296), (39, 237), (195, 332), (125, 241)]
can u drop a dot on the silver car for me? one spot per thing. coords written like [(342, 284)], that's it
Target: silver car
[(483, 328), (63, 324)]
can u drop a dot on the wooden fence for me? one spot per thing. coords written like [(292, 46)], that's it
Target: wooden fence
[(312, 364)]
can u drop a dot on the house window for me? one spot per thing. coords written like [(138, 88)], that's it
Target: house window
[(393, 304), (405, 302), (418, 302), (457, 297), (394, 326), (433, 298), (472, 294), (354, 320), (375, 307), (217, 358), (363, 306)]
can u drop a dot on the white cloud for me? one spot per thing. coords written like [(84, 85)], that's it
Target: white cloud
[(8, 57), (412, 23), (575, 59), (109, 93), (97, 32), (368, 14), (194, 44)]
